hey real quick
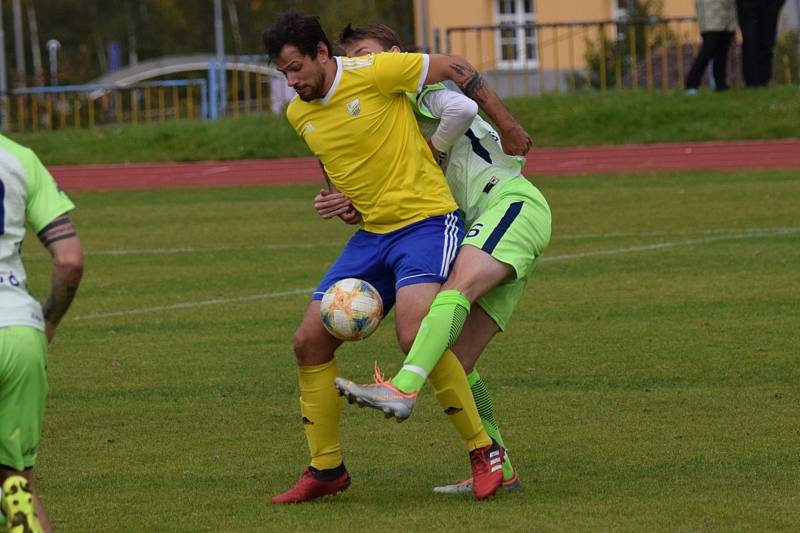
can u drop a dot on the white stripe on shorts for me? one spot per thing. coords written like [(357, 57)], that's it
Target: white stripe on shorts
[(450, 243)]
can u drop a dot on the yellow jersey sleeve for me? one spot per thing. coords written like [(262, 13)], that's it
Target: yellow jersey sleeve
[(400, 72)]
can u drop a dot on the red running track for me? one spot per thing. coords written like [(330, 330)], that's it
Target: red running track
[(738, 155)]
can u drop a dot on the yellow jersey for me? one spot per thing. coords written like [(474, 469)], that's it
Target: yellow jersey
[(365, 134)]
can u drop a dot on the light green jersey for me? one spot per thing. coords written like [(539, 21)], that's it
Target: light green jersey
[(475, 164), (29, 194)]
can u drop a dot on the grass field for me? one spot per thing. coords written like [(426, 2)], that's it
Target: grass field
[(649, 380), (574, 119)]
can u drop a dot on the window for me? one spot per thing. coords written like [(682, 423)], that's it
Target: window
[(620, 11), (515, 44)]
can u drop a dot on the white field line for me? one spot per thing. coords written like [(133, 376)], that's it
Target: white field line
[(306, 246), (663, 245), (708, 232), (746, 234), (200, 250), (188, 305)]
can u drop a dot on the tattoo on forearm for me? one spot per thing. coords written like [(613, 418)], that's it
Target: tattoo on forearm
[(59, 300), (59, 229), (65, 282), (472, 83)]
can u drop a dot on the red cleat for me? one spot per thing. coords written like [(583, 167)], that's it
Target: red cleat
[(311, 486), (487, 470)]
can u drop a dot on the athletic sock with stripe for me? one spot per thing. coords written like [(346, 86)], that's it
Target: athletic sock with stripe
[(437, 332)]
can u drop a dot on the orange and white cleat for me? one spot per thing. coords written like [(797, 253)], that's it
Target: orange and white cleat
[(381, 395)]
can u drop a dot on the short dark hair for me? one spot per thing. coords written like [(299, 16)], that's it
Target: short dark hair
[(380, 32), (295, 29)]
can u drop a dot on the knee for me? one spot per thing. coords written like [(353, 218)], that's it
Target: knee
[(303, 346), (312, 347)]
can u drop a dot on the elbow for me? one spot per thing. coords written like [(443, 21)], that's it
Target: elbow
[(470, 110), (70, 267)]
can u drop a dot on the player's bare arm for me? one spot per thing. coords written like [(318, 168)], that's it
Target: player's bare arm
[(331, 203), (61, 240), (457, 69)]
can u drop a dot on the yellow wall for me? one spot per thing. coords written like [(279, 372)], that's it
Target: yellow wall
[(679, 8), (560, 48)]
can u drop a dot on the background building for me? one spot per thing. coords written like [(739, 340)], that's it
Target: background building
[(518, 49)]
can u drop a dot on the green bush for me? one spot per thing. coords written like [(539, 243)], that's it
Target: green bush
[(610, 60), (785, 62)]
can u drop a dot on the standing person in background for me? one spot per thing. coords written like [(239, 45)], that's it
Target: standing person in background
[(758, 20), (717, 22), (28, 194)]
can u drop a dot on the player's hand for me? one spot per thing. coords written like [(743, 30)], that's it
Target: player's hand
[(516, 141), (49, 331), (330, 204), (351, 216), (437, 155), (434, 151)]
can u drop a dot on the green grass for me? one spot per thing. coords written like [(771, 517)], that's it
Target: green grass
[(576, 119), (648, 381)]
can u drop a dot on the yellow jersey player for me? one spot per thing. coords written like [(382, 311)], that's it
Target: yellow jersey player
[(354, 115), (509, 228)]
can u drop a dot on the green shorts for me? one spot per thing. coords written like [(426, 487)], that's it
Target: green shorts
[(515, 230), (23, 390)]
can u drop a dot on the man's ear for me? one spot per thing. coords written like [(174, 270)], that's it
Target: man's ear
[(395, 48), (322, 50)]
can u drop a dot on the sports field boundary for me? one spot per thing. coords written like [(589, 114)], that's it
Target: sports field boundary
[(734, 155)]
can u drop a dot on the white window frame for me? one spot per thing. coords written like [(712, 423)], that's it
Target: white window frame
[(519, 17), (617, 12), (620, 14)]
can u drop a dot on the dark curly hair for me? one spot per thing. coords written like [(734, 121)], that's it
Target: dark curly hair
[(295, 29)]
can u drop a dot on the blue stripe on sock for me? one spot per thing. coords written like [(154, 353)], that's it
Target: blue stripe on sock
[(511, 213)]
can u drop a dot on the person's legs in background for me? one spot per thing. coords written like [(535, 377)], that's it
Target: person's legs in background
[(748, 13), (695, 76), (767, 31), (721, 47)]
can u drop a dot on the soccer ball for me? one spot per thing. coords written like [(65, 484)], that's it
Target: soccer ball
[(351, 309)]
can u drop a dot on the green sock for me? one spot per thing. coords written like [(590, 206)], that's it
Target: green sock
[(486, 411), (438, 331)]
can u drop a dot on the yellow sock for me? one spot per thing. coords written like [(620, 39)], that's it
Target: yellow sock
[(321, 406), (452, 390)]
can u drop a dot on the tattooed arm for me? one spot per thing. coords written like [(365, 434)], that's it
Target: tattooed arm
[(455, 68), (61, 240)]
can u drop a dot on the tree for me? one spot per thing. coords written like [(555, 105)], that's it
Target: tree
[(610, 60), (153, 28)]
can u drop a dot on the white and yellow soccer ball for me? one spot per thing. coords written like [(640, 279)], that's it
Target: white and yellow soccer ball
[(351, 309)]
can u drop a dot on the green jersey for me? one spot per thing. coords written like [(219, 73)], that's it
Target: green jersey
[(29, 194), (475, 165)]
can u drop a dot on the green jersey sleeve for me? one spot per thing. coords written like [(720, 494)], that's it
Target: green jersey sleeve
[(418, 99), (45, 199)]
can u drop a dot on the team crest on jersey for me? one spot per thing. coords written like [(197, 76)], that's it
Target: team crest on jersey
[(309, 128), (354, 107)]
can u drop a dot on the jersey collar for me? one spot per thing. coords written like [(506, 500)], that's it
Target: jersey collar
[(335, 84)]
